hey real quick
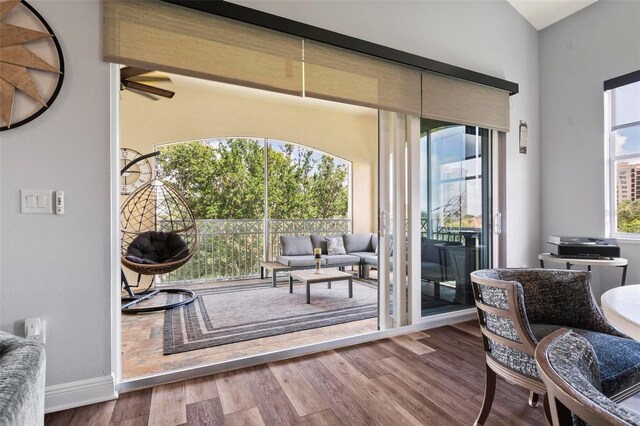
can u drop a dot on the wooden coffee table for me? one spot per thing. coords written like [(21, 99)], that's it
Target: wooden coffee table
[(327, 276)]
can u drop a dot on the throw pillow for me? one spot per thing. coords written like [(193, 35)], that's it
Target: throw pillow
[(335, 246)]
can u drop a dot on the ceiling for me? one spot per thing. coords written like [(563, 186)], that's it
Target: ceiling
[(542, 13)]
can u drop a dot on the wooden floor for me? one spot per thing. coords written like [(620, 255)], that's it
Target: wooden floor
[(431, 378), (142, 340)]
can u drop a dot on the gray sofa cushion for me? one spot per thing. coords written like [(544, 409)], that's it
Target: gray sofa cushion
[(341, 259), (371, 260), (357, 242), (364, 254), (296, 246), (320, 241), (296, 261), (22, 372), (374, 242)]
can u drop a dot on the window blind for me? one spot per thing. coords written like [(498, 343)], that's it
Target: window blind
[(463, 102), (160, 36), (341, 75)]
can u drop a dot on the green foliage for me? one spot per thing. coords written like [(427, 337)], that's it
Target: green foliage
[(226, 180), (629, 216)]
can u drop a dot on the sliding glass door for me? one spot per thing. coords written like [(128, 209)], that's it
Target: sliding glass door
[(455, 213), (434, 215)]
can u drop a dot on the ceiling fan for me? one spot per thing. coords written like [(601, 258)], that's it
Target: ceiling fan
[(132, 79)]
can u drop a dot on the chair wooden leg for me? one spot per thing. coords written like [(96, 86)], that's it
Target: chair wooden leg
[(547, 408), (489, 393), (533, 399)]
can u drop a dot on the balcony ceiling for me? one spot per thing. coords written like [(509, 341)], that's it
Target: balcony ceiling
[(542, 13)]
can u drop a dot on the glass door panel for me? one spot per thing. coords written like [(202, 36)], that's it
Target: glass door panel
[(455, 211)]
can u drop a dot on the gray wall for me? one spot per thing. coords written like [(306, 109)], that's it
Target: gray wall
[(58, 267), (577, 55), (485, 36)]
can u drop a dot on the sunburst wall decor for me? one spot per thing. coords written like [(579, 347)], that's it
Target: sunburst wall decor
[(31, 64)]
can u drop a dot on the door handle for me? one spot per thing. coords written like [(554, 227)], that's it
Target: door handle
[(385, 224), (497, 223)]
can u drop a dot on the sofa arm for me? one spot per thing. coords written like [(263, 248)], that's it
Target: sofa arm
[(22, 381)]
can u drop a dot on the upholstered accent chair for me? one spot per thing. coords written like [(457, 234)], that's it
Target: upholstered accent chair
[(569, 368), (519, 307), (22, 374)]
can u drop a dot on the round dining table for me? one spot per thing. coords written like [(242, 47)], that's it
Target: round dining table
[(621, 307)]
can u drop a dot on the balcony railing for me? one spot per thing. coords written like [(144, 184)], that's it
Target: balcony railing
[(230, 249), (233, 248)]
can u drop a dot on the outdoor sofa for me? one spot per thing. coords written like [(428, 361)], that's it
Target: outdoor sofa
[(361, 250), (297, 252)]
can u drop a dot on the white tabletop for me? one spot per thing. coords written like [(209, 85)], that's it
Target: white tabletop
[(621, 306), (613, 261)]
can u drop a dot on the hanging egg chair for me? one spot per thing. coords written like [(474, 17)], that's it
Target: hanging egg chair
[(158, 229), (158, 235)]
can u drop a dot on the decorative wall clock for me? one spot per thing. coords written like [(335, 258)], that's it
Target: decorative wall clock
[(139, 174), (31, 64)]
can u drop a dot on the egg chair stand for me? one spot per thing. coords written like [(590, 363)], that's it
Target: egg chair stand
[(128, 302), (158, 236)]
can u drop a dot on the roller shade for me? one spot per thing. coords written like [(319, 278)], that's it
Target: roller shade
[(341, 75), (463, 102), (159, 36)]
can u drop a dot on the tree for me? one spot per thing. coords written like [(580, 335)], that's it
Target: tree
[(225, 180), (629, 216)]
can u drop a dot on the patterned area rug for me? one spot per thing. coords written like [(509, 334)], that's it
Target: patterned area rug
[(236, 313)]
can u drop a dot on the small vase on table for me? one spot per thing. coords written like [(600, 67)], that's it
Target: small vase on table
[(318, 260)]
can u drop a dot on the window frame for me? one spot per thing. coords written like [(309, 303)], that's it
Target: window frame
[(611, 216)]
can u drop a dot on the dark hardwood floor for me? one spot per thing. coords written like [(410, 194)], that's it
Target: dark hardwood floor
[(435, 377)]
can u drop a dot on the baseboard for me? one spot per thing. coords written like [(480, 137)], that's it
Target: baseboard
[(82, 392)]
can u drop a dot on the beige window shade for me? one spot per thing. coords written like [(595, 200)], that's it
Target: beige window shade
[(340, 75), (462, 102), (155, 35)]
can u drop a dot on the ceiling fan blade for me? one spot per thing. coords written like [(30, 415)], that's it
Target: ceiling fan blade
[(149, 89), (128, 72), (142, 78), (145, 94)]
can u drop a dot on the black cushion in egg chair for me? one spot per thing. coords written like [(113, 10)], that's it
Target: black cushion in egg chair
[(154, 247)]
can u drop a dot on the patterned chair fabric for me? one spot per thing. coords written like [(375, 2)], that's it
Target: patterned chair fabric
[(573, 359), (550, 299)]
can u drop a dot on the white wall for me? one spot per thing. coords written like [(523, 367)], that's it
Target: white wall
[(577, 55), (58, 267), (484, 36)]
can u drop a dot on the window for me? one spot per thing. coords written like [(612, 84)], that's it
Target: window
[(622, 110)]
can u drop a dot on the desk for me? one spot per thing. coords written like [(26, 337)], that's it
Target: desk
[(613, 261), (621, 306)]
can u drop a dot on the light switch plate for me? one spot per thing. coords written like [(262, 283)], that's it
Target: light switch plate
[(38, 201)]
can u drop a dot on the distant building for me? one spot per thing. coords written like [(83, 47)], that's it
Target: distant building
[(627, 188)]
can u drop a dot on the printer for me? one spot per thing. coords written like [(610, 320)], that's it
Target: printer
[(584, 247)]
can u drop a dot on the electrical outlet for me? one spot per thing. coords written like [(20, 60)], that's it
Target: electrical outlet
[(35, 329)]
